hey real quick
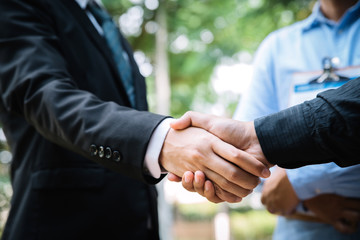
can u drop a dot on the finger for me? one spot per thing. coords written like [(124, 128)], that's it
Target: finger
[(344, 228), (263, 199), (225, 195), (350, 217), (226, 187), (190, 118), (209, 193), (173, 178), (199, 182), (350, 203), (240, 158), (182, 123), (187, 181), (272, 208), (229, 173)]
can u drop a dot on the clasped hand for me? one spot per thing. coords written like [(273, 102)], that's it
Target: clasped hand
[(224, 154)]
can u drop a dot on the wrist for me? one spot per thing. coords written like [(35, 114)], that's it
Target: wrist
[(255, 144), (165, 152)]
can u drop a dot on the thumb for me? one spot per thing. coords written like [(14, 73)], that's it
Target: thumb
[(182, 123), (193, 119), (173, 178)]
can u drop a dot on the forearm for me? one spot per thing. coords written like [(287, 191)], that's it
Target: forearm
[(322, 130), (39, 84)]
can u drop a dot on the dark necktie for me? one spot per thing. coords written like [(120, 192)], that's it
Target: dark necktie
[(114, 42)]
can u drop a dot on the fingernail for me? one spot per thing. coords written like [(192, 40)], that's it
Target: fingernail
[(196, 179), (187, 178), (265, 173)]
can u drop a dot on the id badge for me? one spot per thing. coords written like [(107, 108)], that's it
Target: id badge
[(306, 85)]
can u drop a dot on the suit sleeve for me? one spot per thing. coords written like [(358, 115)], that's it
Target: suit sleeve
[(325, 129), (36, 85)]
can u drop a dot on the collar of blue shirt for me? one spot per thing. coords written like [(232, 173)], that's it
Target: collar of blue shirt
[(317, 17)]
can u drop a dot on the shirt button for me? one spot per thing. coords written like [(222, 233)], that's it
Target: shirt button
[(101, 151), (93, 150), (108, 152), (116, 156)]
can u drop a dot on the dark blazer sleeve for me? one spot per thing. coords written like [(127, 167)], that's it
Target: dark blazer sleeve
[(36, 85), (325, 129)]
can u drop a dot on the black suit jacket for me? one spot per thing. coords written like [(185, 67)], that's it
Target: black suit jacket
[(325, 129), (60, 95)]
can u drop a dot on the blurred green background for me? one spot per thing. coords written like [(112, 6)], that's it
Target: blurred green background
[(178, 44), (199, 34)]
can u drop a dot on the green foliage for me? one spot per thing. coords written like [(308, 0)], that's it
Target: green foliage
[(245, 223), (197, 212), (254, 224), (233, 26), (5, 187)]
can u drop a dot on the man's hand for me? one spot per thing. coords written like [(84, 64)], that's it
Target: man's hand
[(194, 149), (342, 213), (278, 195), (242, 135)]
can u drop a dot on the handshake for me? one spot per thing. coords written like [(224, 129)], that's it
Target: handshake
[(224, 154)]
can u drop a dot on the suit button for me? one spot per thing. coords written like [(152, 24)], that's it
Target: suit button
[(116, 156), (101, 151), (93, 150), (108, 152)]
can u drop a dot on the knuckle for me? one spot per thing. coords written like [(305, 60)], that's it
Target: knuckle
[(234, 199), (225, 184), (233, 174), (246, 192), (197, 155), (218, 190), (189, 114), (263, 200), (253, 183), (188, 187), (236, 154)]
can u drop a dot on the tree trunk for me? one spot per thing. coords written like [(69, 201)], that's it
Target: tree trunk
[(163, 92), (162, 79)]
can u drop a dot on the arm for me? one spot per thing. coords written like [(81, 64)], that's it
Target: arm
[(322, 130), (37, 86), (311, 181), (287, 137), (342, 213)]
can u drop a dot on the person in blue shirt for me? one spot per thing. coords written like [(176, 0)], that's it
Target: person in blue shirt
[(320, 201), (331, 31)]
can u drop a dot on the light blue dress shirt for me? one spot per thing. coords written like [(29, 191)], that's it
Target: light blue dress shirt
[(301, 47)]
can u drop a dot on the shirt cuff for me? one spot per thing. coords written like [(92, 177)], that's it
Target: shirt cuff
[(151, 162), (300, 208), (310, 181)]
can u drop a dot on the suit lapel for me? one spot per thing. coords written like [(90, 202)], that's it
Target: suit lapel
[(98, 41)]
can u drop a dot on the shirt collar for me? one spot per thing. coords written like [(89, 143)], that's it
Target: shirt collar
[(82, 3), (317, 17)]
